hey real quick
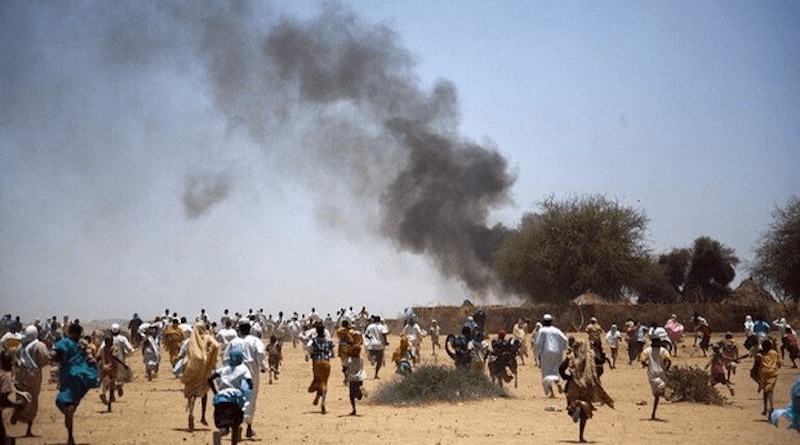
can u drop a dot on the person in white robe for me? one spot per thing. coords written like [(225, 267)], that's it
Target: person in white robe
[(255, 358), (550, 346)]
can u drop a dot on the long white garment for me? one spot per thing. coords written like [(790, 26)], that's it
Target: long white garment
[(414, 334), (225, 335), (255, 358), (612, 337), (749, 326), (29, 340), (151, 353), (123, 345), (233, 377), (550, 346), (354, 369), (655, 359), (374, 336)]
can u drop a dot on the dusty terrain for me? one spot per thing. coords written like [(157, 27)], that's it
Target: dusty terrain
[(154, 413)]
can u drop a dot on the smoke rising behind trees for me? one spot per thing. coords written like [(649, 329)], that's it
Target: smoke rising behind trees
[(331, 102)]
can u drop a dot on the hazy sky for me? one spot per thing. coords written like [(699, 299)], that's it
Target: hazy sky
[(234, 154)]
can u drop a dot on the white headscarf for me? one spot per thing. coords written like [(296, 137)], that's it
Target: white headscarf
[(29, 340)]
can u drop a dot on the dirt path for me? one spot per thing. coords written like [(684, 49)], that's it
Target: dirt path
[(154, 413)]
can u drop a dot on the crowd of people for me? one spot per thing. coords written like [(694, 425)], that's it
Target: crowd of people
[(227, 358)]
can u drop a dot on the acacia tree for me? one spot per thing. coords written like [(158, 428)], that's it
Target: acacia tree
[(777, 262), (710, 271), (676, 268), (572, 246)]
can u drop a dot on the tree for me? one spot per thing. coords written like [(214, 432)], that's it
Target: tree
[(777, 262), (653, 285), (710, 271), (581, 244), (676, 268)]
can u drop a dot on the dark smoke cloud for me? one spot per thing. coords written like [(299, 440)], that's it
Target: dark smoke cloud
[(438, 201), (334, 102)]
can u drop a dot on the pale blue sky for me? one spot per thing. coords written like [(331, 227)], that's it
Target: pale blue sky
[(688, 111)]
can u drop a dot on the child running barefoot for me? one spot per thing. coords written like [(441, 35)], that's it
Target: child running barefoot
[(151, 352), (235, 382), (790, 344), (77, 374), (354, 369), (274, 357), (613, 337), (108, 364), (717, 365), (321, 351), (769, 360), (657, 361)]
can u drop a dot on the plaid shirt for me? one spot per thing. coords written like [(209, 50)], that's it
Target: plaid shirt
[(321, 349)]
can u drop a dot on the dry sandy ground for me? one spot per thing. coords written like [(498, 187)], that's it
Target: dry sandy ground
[(153, 413)]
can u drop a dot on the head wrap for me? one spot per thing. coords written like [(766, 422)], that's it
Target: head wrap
[(236, 357), (29, 337)]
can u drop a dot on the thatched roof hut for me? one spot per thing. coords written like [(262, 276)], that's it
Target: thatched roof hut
[(588, 298), (750, 293)]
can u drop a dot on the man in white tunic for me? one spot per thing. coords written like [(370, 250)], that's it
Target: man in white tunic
[(415, 334), (124, 349), (550, 346), (375, 341), (255, 358), (226, 334)]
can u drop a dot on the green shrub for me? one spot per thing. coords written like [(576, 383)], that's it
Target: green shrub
[(692, 384), (437, 383)]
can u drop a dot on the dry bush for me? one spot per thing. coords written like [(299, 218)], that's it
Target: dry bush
[(692, 384), (429, 384)]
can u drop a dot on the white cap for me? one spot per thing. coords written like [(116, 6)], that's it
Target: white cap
[(115, 328), (547, 317)]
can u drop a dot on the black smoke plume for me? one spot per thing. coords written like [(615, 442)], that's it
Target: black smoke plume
[(333, 104), (438, 200)]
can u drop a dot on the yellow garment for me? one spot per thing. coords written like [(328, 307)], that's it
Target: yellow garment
[(173, 338), (768, 370), (399, 353), (350, 342), (201, 359), (583, 388)]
